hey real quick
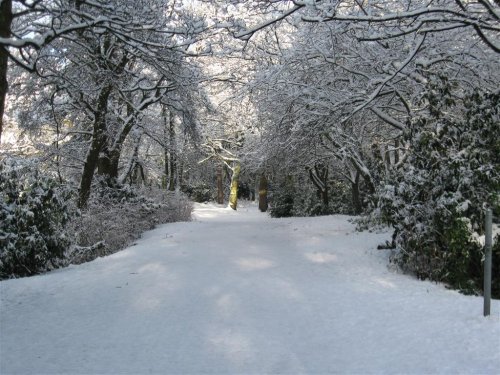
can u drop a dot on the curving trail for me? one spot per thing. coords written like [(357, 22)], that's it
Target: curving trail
[(238, 292)]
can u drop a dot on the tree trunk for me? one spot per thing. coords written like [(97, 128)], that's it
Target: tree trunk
[(220, 187), (133, 160), (233, 195), (324, 193), (98, 140), (173, 156), (319, 177), (325, 197), (263, 205), (107, 164), (356, 200), (166, 155), (387, 157), (88, 173), (109, 159), (180, 174), (5, 32), (396, 151)]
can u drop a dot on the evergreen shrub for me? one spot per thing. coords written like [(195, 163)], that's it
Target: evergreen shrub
[(199, 193), (282, 197), (34, 210), (435, 201)]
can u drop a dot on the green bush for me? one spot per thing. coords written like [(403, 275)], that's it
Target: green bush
[(34, 209), (199, 193), (435, 200), (282, 198)]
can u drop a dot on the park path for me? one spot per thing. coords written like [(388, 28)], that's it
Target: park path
[(239, 292)]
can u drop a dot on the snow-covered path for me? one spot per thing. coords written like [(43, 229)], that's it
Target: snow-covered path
[(238, 292)]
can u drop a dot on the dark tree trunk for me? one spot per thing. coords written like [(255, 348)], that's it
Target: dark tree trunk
[(88, 171), (173, 156), (166, 169), (263, 194), (104, 162), (180, 173), (114, 162), (356, 198), (166, 153), (133, 161), (319, 177), (107, 164), (387, 158), (5, 32), (110, 156), (220, 187), (396, 151), (99, 139), (324, 193), (173, 172), (325, 197)]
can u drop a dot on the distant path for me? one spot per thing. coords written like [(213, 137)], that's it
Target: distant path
[(238, 292)]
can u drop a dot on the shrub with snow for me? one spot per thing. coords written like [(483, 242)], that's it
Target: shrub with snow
[(200, 192), (114, 218), (435, 201), (34, 209), (282, 195)]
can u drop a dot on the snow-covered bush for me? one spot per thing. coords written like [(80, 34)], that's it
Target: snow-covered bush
[(34, 209), (113, 221), (306, 202), (200, 192), (281, 197), (297, 196), (341, 198), (435, 201)]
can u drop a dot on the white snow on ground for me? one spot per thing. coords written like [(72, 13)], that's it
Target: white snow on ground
[(238, 292)]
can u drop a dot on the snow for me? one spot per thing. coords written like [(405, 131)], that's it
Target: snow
[(239, 292)]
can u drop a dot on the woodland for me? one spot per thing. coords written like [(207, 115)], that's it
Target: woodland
[(115, 115)]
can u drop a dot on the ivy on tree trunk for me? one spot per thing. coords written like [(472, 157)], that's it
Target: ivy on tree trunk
[(233, 195)]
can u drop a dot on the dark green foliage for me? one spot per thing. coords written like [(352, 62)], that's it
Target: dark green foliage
[(200, 193), (298, 197), (282, 198), (244, 191), (435, 201), (341, 198), (307, 203), (34, 210)]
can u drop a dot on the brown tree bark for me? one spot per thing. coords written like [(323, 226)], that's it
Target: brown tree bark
[(98, 141), (173, 156), (109, 159), (235, 178), (263, 185), (220, 188), (355, 194), (396, 151), (319, 177)]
